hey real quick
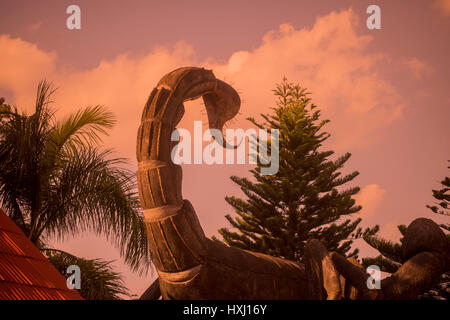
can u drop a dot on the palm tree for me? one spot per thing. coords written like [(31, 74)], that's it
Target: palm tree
[(99, 281), (55, 183)]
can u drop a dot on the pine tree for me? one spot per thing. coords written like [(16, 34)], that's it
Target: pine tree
[(443, 198), (305, 198), (391, 257)]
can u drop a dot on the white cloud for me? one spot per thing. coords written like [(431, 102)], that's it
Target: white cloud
[(370, 197)]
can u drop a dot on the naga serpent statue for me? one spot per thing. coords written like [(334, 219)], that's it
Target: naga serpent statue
[(191, 266)]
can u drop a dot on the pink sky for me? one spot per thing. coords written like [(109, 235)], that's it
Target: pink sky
[(386, 91)]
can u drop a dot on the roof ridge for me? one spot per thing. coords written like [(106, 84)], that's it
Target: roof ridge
[(28, 262), (25, 256), (12, 231), (39, 286)]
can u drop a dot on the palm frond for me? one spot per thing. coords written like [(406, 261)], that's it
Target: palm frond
[(98, 280), (53, 180), (82, 129), (92, 193)]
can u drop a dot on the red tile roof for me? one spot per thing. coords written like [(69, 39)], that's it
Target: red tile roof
[(25, 274)]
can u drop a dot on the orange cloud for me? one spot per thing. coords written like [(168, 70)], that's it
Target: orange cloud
[(123, 84), (35, 26), (331, 59), (443, 6), (22, 65), (417, 67), (370, 198)]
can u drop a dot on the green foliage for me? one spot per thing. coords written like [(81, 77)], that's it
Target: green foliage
[(385, 264), (5, 109), (98, 280), (391, 257), (54, 182), (443, 198), (387, 248), (305, 198)]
